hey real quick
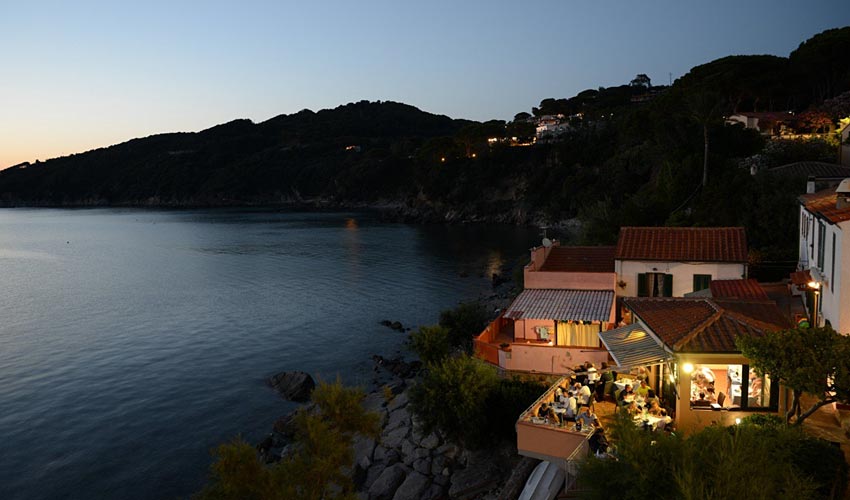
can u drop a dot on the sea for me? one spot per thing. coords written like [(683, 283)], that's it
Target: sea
[(133, 342)]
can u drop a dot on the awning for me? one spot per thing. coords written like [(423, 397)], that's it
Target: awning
[(562, 305), (632, 346)]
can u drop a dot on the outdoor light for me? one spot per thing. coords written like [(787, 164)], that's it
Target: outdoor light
[(814, 284), (687, 368), (737, 421)]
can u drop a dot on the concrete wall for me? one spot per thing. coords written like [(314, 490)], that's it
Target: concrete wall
[(683, 274), (550, 359)]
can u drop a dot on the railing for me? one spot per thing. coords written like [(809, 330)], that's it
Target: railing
[(486, 351)]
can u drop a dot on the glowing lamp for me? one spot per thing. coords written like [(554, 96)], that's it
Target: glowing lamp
[(687, 368), (814, 284), (737, 421)]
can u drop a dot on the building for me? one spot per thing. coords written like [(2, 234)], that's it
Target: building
[(824, 255), (774, 123), (554, 323), (689, 346), (674, 261)]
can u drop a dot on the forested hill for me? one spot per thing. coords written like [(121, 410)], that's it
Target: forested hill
[(633, 154), (352, 152)]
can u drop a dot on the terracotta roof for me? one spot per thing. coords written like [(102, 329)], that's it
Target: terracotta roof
[(580, 260), (683, 244), (813, 168), (822, 204), (632, 346), (737, 289), (706, 325), (562, 305)]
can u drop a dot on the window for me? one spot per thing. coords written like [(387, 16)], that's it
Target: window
[(832, 266), (701, 281), (821, 243), (732, 386), (655, 285)]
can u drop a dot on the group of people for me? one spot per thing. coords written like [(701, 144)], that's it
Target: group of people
[(573, 403)]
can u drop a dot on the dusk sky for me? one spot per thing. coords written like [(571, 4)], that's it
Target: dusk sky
[(81, 75)]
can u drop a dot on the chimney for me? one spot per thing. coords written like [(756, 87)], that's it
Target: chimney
[(842, 195), (810, 185)]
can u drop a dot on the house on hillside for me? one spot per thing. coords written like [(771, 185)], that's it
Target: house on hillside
[(773, 123), (674, 261), (824, 255), (691, 342), (554, 323)]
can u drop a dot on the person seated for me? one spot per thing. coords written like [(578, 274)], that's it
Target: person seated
[(587, 418), (583, 394), (650, 397), (710, 395), (701, 401), (571, 406), (656, 410), (643, 390), (626, 396), (633, 409), (546, 412), (597, 442)]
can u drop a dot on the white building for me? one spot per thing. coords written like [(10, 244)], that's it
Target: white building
[(674, 261), (825, 253)]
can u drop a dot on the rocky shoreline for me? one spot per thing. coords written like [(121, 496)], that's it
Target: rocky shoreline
[(406, 464)]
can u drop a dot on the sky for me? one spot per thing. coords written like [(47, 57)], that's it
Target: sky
[(86, 74)]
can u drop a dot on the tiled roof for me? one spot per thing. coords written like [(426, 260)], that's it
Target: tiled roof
[(683, 244), (706, 325), (822, 203), (580, 260), (813, 168), (737, 289), (562, 305), (632, 346)]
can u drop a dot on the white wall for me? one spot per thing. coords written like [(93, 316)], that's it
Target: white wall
[(683, 274), (835, 302)]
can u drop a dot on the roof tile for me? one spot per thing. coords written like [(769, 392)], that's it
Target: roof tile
[(580, 260), (682, 244), (562, 305)]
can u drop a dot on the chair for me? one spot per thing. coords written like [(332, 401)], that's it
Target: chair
[(617, 395), (609, 390), (721, 398)]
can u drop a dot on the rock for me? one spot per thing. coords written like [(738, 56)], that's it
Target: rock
[(478, 476), (394, 438), (285, 425), (380, 454), (448, 450), (518, 476), (293, 385), (374, 401), (430, 441), (434, 492), (398, 418), (407, 450), (385, 486), (398, 402), (395, 325), (413, 487), (372, 474), (422, 465), (437, 465), (363, 448)]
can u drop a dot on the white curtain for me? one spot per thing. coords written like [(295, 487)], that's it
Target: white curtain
[(578, 335)]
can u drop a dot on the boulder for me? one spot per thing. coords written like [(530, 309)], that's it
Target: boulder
[(407, 450), (293, 385), (363, 448), (385, 486), (398, 402), (422, 466), (430, 441), (434, 492), (394, 438), (413, 487), (285, 425), (398, 418)]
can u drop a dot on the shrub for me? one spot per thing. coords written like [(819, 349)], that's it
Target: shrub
[(451, 398), (463, 323), (431, 344)]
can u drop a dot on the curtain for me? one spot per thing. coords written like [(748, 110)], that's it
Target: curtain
[(575, 334)]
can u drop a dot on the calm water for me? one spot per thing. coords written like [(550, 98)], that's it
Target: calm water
[(132, 342)]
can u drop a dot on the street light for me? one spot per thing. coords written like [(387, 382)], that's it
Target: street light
[(815, 287)]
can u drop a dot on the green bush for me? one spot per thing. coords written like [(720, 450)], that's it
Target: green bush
[(450, 398), (431, 344), (464, 322)]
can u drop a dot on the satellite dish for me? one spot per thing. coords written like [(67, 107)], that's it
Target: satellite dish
[(547, 242)]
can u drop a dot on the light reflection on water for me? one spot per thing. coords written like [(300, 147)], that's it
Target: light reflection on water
[(132, 342)]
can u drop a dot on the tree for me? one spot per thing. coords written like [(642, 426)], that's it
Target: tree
[(806, 360), (705, 108), (316, 468), (522, 116), (431, 344), (463, 323), (641, 80)]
